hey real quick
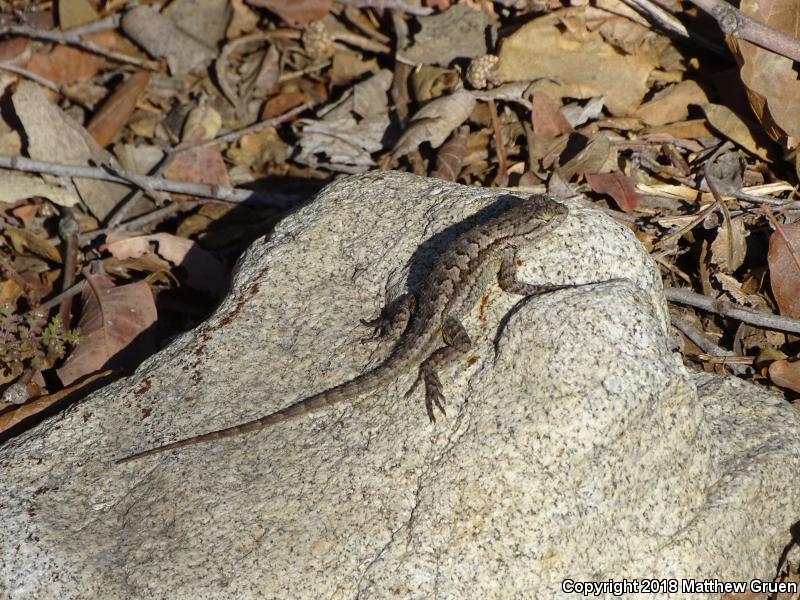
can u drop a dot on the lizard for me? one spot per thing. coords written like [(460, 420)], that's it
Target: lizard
[(431, 335)]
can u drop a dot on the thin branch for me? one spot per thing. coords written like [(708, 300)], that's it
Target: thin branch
[(729, 309), (70, 39), (4, 66), (217, 192), (685, 325), (735, 23)]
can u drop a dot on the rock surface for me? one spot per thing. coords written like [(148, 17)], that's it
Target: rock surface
[(576, 444)]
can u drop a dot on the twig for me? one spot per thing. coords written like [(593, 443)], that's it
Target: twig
[(735, 23), (4, 66), (687, 327), (728, 309), (70, 39), (217, 192)]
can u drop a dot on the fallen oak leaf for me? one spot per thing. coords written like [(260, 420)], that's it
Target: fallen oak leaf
[(117, 327), (620, 187)]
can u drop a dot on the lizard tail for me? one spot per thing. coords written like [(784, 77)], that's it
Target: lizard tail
[(348, 390)]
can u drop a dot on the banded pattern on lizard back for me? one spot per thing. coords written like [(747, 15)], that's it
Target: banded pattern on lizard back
[(432, 334)]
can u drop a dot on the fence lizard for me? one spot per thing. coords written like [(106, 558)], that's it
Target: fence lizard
[(432, 334)]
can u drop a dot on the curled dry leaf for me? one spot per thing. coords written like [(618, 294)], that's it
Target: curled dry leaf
[(65, 65), (435, 121), (350, 132), (451, 155), (116, 327), (204, 271), (784, 268), (728, 249)]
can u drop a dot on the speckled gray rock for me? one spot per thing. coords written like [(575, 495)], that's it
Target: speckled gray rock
[(576, 444)]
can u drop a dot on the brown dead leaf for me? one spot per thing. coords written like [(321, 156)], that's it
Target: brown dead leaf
[(435, 121), (784, 268), (672, 103), (451, 155), (25, 240), (576, 64), (593, 157), (10, 419), (736, 129), (204, 271), (771, 79), (786, 374), (203, 164), (620, 187), (64, 65), (116, 327), (546, 116), (725, 242), (54, 136), (118, 108), (297, 13)]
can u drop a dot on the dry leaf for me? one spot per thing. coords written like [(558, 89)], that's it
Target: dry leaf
[(592, 158), (204, 271), (297, 13), (577, 68), (65, 65), (547, 119), (451, 155), (672, 103), (721, 246), (15, 185), (435, 121), (736, 129), (771, 79), (54, 136), (10, 419), (351, 131), (25, 240), (161, 38), (118, 108), (620, 187), (116, 327), (458, 32), (784, 268)]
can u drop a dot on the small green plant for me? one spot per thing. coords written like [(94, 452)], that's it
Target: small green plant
[(30, 341)]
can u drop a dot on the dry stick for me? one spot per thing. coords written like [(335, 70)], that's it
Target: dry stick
[(104, 24), (687, 327), (736, 24), (726, 215), (70, 39), (729, 309), (216, 192), (4, 66), (501, 178)]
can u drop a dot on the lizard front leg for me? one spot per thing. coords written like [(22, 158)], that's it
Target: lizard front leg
[(458, 344)]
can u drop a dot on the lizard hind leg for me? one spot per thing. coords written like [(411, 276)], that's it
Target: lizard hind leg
[(458, 344), (393, 319)]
